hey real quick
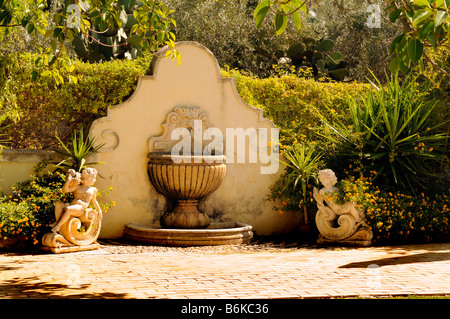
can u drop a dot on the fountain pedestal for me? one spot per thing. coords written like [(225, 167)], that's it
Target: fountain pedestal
[(185, 215)]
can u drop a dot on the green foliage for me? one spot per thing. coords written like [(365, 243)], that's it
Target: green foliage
[(301, 172), (2, 135), (227, 29), (393, 132), (77, 155), (146, 29), (128, 36), (282, 10), (396, 217), (46, 109), (422, 23), (29, 211), (292, 102), (425, 23), (318, 57)]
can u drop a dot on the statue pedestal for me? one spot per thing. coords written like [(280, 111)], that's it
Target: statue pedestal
[(70, 249)]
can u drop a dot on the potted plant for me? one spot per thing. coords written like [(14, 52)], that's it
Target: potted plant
[(302, 167)]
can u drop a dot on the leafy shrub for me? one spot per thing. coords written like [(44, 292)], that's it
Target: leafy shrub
[(228, 30), (393, 131), (29, 211), (294, 187), (292, 103), (45, 109)]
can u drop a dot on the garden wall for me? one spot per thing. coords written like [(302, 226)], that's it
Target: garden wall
[(16, 165)]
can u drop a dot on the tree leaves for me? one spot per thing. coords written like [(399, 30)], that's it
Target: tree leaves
[(440, 18), (415, 50), (282, 11), (429, 26), (148, 28), (394, 15), (280, 23), (426, 23), (260, 12)]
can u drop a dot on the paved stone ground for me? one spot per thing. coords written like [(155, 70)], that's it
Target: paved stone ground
[(284, 271)]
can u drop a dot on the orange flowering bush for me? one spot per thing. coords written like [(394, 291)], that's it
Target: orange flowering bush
[(27, 213), (396, 216)]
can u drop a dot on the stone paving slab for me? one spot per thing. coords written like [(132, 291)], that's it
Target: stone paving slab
[(277, 273)]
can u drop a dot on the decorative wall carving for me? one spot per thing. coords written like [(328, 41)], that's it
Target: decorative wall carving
[(179, 117)]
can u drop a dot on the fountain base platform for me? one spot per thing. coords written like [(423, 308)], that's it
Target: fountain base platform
[(217, 233)]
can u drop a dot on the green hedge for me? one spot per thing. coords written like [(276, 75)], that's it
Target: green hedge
[(292, 103), (46, 109)]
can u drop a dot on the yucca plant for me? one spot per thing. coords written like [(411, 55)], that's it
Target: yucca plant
[(81, 148), (303, 164), (393, 133)]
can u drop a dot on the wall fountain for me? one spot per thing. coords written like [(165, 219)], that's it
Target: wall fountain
[(184, 180), (229, 184)]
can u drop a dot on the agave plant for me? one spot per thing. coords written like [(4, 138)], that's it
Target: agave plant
[(303, 164), (77, 155), (392, 132)]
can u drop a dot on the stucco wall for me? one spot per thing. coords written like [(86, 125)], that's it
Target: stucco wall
[(16, 165)]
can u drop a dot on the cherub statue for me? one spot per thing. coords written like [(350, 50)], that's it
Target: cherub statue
[(323, 196), (83, 194), (338, 222)]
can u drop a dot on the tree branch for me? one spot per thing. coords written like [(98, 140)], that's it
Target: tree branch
[(434, 64)]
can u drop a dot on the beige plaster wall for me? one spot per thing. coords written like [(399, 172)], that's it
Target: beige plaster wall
[(16, 165), (127, 128)]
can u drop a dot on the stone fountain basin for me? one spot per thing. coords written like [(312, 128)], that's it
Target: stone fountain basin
[(217, 233), (193, 177)]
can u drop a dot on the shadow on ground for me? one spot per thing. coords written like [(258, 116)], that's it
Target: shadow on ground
[(31, 288), (409, 259)]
